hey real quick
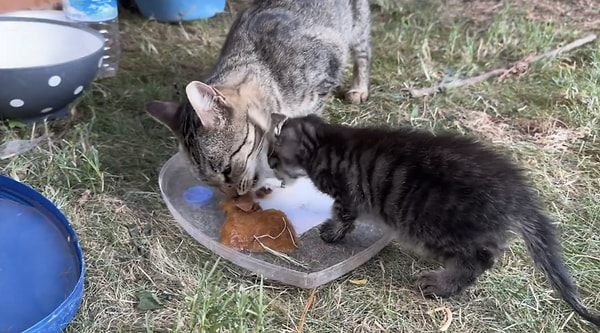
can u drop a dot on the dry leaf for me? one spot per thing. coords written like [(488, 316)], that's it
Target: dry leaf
[(85, 197), (147, 301), (359, 282)]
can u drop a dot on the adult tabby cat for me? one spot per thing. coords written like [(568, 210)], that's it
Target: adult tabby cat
[(445, 196), (285, 56)]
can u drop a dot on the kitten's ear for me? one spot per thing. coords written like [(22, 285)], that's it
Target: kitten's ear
[(204, 99), (165, 113), (277, 121)]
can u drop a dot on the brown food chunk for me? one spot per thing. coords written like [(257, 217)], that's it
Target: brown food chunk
[(246, 223)]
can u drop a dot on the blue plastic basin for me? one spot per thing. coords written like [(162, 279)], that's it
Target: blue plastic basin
[(41, 263), (180, 10)]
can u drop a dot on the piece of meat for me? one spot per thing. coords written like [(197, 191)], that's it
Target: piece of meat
[(247, 225)]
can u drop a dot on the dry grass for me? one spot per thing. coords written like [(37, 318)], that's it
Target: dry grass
[(102, 168)]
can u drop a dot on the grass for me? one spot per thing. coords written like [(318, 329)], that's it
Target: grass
[(102, 167)]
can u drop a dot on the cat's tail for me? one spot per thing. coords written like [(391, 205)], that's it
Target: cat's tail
[(539, 235)]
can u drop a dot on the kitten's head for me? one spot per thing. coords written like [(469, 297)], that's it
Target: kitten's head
[(292, 142), (214, 135)]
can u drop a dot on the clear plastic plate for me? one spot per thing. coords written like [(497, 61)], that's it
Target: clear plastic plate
[(314, 262)]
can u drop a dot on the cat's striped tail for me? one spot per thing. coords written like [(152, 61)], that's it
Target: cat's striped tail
[(540, 237)]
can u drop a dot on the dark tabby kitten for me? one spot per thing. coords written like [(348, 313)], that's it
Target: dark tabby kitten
[(285, 56), (447, 196)]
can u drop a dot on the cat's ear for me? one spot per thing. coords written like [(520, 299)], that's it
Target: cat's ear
[(205, 99), (277, 121), (165, 113)]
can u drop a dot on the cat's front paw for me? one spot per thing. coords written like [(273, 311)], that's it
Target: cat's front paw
[(357, 96), (437, 284), (331, 232), (263, 191)]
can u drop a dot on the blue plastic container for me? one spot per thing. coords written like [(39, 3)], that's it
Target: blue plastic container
[(42, 268), (180, 10)]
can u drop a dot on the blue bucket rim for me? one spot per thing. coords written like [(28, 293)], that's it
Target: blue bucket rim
[(25, 194)]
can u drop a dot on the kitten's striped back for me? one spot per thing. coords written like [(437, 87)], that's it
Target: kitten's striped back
[(447, 195)]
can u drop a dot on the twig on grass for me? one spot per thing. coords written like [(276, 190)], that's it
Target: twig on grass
[(447, 317), (311, 300), (516, 67)]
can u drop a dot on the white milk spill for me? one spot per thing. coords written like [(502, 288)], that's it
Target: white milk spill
[(304, 205)]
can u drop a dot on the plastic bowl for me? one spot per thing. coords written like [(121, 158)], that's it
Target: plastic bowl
[(57, 15), (180, 10), (44, 66), (42, 267)]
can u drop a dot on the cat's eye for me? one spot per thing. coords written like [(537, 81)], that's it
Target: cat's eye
[(227, 170), (272, 160)]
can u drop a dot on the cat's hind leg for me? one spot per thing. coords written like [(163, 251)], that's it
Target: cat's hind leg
[(361, 54), (461, 271), (342, 222)]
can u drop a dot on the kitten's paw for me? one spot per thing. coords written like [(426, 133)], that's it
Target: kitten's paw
[(436, 283), (357, 96), (263, 191), (330, 232)]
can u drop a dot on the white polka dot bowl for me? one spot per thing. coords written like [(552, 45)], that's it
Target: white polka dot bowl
[(45, 65)]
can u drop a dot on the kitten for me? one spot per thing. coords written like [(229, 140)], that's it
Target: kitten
[(448, 196), (285, 56)]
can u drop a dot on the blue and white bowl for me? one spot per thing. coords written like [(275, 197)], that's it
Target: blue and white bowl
[(45, 65)]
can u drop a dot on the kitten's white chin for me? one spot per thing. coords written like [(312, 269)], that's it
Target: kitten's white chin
[(288, 181)]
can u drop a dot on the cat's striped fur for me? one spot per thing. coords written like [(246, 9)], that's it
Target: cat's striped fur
[(285, 56), (448, 196)]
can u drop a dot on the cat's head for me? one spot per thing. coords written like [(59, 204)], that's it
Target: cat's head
[(214, 135), (292, 141)]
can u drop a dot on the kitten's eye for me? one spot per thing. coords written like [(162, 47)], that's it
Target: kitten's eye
[(227, 170), (272, 162), (272, 159)]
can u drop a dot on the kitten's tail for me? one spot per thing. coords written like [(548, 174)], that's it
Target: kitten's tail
[(539, 235)]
